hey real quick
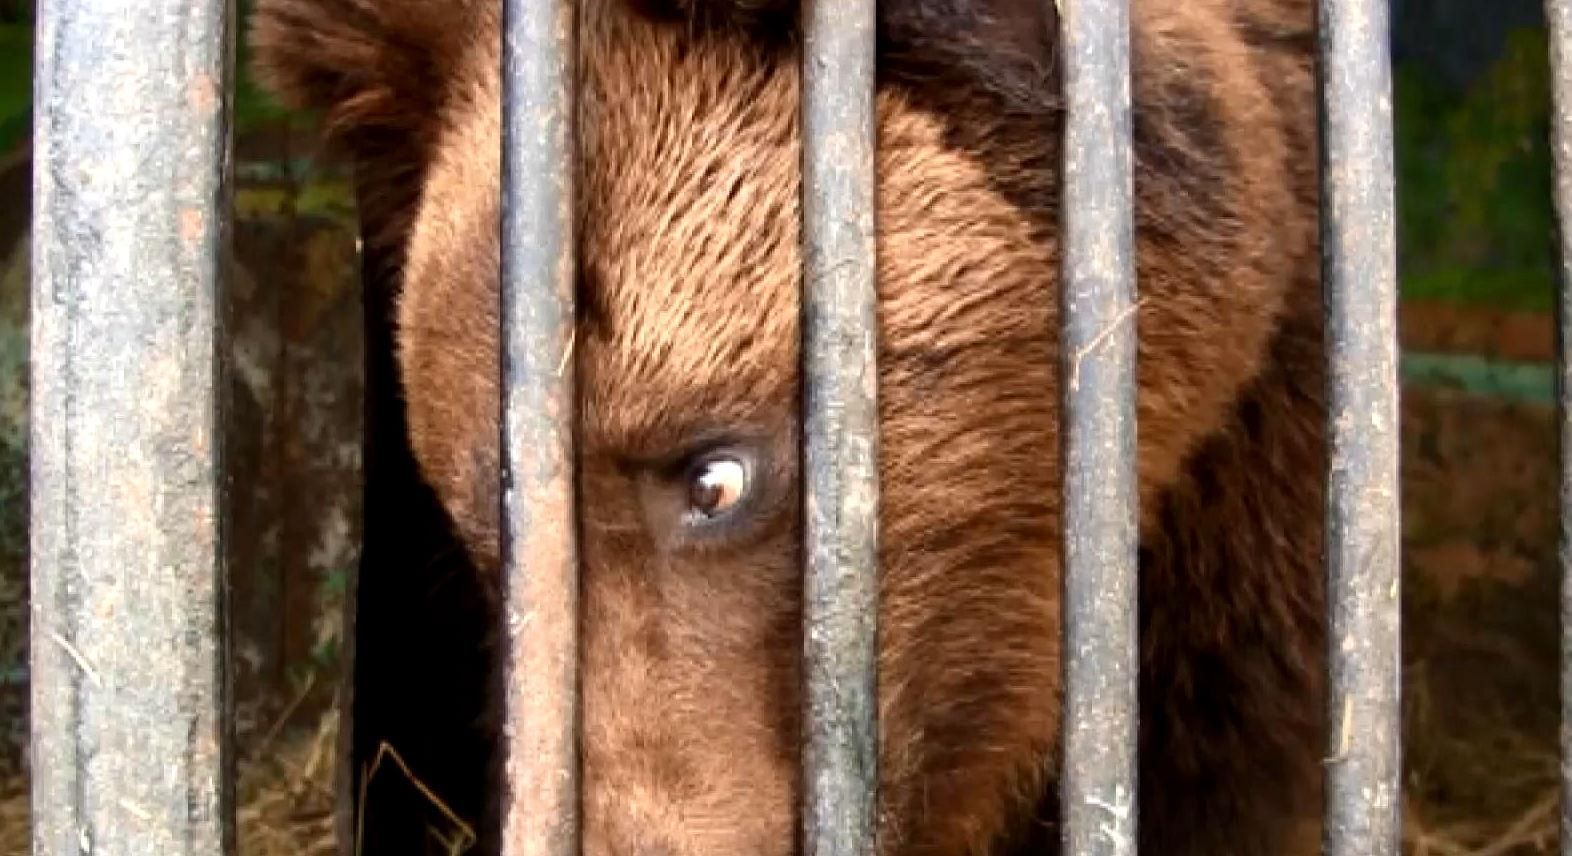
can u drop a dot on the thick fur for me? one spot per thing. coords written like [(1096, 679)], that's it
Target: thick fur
[(689, 229)]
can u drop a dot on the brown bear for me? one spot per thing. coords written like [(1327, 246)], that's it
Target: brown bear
[(687, 348)]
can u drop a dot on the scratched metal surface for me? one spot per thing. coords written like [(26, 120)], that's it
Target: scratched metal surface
[(130, 741), (840, 431), (1558, 15), (1359, 263), (540, 548), (1097, 390)]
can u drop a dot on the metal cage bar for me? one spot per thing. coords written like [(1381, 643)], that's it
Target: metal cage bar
[(840, 430), (1359, 259), (539, 524), (130, 693), (1558, 22), (1097, 390)]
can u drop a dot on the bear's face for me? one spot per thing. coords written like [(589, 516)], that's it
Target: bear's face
[(687, 351), (688, 354)]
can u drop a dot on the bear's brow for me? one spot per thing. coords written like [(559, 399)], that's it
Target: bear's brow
[(671, 423)]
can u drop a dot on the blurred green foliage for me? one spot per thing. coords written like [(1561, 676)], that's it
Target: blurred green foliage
[(331, 198), (253, 107), (16, 82), (1474, 182)]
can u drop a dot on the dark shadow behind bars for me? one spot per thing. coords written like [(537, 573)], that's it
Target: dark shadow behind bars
[(130, 692)]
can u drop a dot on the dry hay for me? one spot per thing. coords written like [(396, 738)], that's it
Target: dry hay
[(284, 795), (13, 817), (287, 798)]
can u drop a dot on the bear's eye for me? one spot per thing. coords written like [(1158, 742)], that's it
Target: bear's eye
[(716, 485), (713, 495)]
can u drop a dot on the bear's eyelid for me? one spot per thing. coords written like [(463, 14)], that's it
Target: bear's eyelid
[(675, 460)]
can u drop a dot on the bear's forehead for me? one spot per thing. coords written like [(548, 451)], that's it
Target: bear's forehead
[(689, 183)]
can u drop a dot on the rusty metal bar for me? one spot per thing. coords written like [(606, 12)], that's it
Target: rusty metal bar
[(1359, 262), (1558, 21), (1097, 388), (539, 525), (841, 430), (130, 685)]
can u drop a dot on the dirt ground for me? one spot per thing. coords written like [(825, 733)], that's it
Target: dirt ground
[(1481, 635)]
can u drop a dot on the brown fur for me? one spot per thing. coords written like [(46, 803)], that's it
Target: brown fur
[(689, 239)]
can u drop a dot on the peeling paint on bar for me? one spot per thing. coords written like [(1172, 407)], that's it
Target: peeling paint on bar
[(1360, 279), (1097, 388), (130, 692), (540, 545), (840, 430), (1558, 19)]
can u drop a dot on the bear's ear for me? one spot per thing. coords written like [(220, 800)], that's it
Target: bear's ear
[(364, 66)]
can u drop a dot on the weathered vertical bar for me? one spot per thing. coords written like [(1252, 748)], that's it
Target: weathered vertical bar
[(1558, 19), (1097, 385), (1359, 264), (539, 529), (130, 732), (840, 429)]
